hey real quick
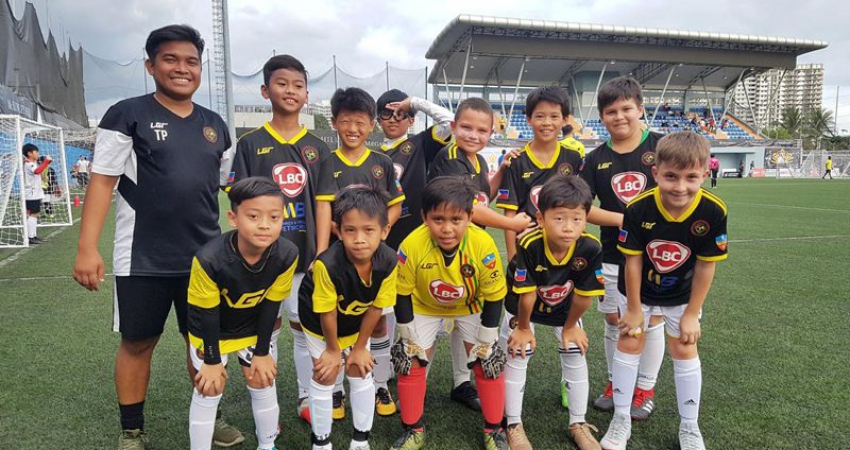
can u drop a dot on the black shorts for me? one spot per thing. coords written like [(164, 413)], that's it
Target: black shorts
[(142, 305), (713, 173), (33, 206)]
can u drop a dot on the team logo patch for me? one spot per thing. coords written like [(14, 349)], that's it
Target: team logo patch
[(578, 264), (534, 195), (377, 171), (489, 261), (700, 228), (504, 194), (648, 158), (628, 185), (402, 258), (623, 236), (555, 295), (211, 135), (444, 292), (467, 271), (399, 170), (721, 242), (398, 185), (231, 177), (310, 154), (483, 199), (565, 169), (520, 274), (667, 256), (512, 324), (291, 177), (407, 147), (599, 277)]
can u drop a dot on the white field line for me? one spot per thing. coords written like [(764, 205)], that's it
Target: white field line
[(806, 208)]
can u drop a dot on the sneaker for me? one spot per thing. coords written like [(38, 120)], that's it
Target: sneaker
[(517, 440), (304, 409), (132, 440), (565, 399), (37, 241), (642, 404), (495, 440), (583, 436), (359, 445), (466, 395), (619, 432), (412, 439), (226, 435), (384, 404), (339, 405), (690, 438), (605, 402)]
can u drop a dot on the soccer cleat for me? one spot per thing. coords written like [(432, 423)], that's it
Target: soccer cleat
[(412, 439), (517, 440), (642, 404), (565, 399), (339, 406), (582, 434), (359, 445), (495, 440), (690, 438), (132, 440), (619, 432), (384, 404), (37, 241), (605, 402), (467, 396), (304, 409), (226, 435)]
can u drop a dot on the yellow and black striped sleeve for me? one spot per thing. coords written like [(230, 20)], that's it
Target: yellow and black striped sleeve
[(282, 285), (204, 300), (203, 291), (324, 294)]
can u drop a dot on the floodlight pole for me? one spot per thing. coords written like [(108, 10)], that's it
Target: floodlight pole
[(516, 90), (465, 67), (502, 103), (388, 75), (596, 92), (426, 94), (663, 91), (835, 123), (448, 92), (144, 71)]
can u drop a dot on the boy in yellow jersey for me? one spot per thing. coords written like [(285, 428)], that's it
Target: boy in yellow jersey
[(828, 168), (339, 305), (235, 288), (672, 236), (449, 270)]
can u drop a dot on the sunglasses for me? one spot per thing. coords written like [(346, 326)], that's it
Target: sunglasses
[(388, 114)]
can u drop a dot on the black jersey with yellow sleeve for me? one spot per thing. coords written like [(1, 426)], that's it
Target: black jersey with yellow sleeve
[(536, 269), (670, 247), (573, 144), (616, 179), (334, 284), (473, 276), (294, 165), (411, 157), (223, 284), (522, 183), (451, 160), (372, 169)]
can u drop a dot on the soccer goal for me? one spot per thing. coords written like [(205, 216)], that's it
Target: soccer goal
[(16, 131), (814, 164)]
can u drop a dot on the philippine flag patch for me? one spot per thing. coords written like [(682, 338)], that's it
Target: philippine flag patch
[(623, 236), (231, 177), (599, 276), (402, 258), (504, 194), (520, 275), (489, 261), (721, 241)]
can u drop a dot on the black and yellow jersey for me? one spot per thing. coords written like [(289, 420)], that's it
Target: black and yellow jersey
[(473, 276), (411, 157), (522, 183), (294, 165), (373, 169), (451, 160), (228, 293), (535, 268), (573, 144), (335, 284), (616, 179), (671, 247)]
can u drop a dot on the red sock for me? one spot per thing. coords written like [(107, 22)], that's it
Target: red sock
[(492, 395), (411, 395)]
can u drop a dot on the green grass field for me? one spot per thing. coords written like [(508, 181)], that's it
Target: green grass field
[(774, 349)]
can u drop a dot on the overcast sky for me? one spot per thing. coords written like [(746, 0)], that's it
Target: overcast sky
[(364, 34)]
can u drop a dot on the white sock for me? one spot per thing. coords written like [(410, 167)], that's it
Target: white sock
[(266, 415), (625, 370), (362, 402), (461, 373), (380, 348), (321, 407), (32, 226), (652, 357), (612, 336), (688, 376), (202, 420), (303, 362), (515, 375), (578, 388), (338, 385)]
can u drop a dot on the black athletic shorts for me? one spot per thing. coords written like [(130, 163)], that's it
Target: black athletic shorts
[(713, 173), (33, 206), (142, 305)]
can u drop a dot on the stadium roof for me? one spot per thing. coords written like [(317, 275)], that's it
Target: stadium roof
[(554, 52)]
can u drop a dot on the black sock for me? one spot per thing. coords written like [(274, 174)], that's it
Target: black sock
[(132, 416)]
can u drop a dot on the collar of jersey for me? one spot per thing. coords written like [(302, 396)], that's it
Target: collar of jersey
[(268, 127), (392, 144), (338, 153), (456, 152), (551, 257), (537, 162), (643, 138), (685, 215)]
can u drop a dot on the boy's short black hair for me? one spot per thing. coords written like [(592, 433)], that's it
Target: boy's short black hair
[(452, 191), (27, 148), (278, 62), (369, 200), (474, 104), (252, 187), (551, 94), (563, 191), (620, 88), (171, 33), (352, 99), (391, 96)]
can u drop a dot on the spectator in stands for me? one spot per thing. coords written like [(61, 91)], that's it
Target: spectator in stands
[(712, 126), (724, 124), (502, 157)]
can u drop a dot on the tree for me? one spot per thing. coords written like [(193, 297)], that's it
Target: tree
[(819, 125), (321, 122), (792, 121)]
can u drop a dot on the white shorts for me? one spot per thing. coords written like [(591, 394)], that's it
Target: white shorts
[(507, 327), (290, 305), (428, 327), (244, 355), (672, 317), (316, 346), (608, 303)]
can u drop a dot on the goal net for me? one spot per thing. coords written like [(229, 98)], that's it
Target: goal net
[(814, 164)]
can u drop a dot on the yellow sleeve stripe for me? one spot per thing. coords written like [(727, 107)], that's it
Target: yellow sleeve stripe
[(524, 289), (716, 200), (596, 293), (507, 206), (531, 237), (588, 235), (324, 292), (392, 202), (282, 285), (437, 138), (203, 291), (629, 251), (387, 293), (713, 258), (326, 198), (642, 196)]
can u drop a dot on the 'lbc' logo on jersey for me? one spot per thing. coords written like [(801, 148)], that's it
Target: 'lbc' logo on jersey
[(534, 195), (554, 295), (628, 185), (444, 292), (667, 256), (291, 177)]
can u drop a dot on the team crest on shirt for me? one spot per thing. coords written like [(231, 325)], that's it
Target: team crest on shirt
[(648, 158), (310, 154), (489, 261), (483, 199), (512, 324), (291, 177), (721, 242), (667, 256), (406, 148), (534, 195), (700, 228), (599, 277), (565, 169), (578, 264), (628, 185), (377, 171), (555, 295), (399, 170), (444, 292), (467, 271), (211, 135)]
